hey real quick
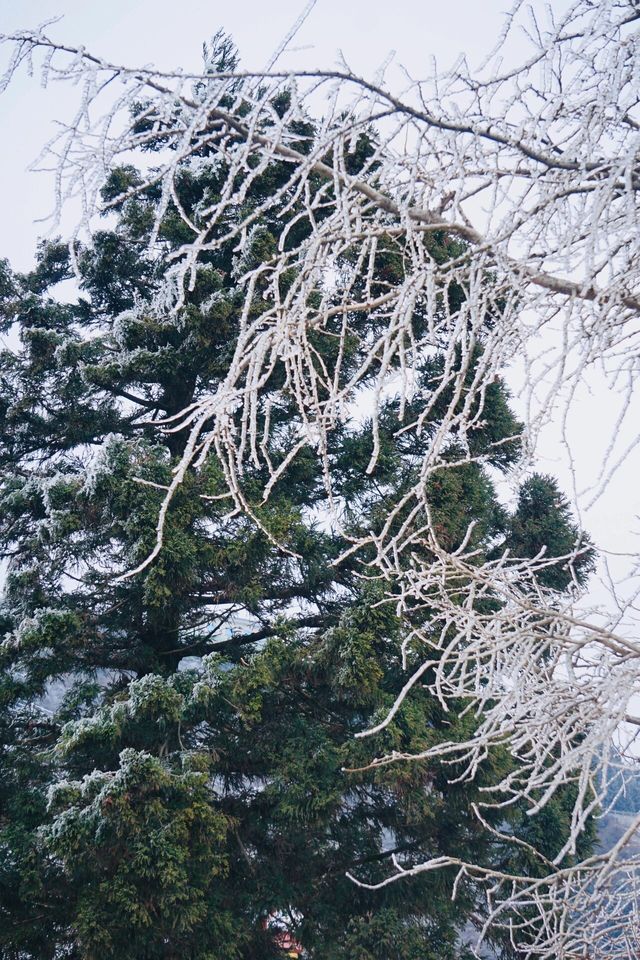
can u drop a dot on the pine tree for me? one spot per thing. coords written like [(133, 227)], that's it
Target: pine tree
[(157, 807)]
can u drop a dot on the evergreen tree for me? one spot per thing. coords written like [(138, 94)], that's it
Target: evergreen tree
[(157, 807)]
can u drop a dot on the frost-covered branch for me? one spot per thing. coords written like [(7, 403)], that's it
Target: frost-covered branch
[(528, 172)]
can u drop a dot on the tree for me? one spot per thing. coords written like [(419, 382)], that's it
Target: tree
[(394, 236), (153, 811), (161, 812)]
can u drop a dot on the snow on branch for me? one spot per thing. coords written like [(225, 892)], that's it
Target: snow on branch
[(529, 173)]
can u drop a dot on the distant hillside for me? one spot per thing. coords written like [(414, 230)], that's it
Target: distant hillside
[(629, 800), (625, 808), (612, 827)]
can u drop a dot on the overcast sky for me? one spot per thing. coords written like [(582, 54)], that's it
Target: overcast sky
[(170, 33)]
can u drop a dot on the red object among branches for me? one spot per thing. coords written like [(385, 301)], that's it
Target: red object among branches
[(284, 940)]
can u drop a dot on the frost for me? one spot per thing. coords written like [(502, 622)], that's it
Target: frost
[(100, 464), (530, 170)]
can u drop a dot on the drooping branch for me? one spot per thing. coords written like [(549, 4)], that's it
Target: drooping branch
[(528, 174)]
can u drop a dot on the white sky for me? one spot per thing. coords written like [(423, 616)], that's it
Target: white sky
[(170, 33)]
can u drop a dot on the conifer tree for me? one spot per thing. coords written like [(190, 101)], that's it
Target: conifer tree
[(154, 806)]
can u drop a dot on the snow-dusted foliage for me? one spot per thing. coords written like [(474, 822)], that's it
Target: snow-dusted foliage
[(530, 173)]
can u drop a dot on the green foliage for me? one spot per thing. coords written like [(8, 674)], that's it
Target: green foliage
[(148, 811), (542, 526), (145, 850)]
